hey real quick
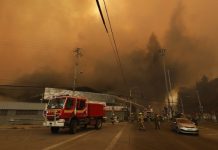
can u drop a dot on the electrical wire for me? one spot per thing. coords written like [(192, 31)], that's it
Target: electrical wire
[(102, 17), (114, 44)]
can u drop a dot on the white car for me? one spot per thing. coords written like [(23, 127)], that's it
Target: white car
[(184, 125)]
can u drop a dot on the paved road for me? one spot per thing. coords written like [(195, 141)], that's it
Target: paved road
[(122, 136)]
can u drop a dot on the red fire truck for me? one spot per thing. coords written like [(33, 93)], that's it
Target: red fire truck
[(73, 112)]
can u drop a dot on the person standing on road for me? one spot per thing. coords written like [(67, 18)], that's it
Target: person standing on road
[(157, 121), (141, 121), (113, 117)]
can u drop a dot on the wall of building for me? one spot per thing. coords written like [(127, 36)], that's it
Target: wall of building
[(20, 116), (24, 113)]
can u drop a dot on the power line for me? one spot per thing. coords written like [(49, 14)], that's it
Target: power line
[(102, 17), (114, 46)]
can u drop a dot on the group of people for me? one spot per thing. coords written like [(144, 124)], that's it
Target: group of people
[(141, 119)]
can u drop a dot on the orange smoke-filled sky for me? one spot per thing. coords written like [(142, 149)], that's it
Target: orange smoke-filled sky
[(42, 34)]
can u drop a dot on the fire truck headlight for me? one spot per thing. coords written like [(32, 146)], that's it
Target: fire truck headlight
[(61, 120)]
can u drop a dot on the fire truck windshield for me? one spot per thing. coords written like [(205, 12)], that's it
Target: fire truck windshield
[(56, 103)]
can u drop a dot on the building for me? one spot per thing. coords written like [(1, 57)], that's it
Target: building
[(120, 111), (32, 113), (21, 113)]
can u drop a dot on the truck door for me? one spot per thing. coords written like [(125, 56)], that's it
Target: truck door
[(69, 108), (82, 108)]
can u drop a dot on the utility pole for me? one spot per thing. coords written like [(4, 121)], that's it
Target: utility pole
[(78, 54), (182, 106), (163, 54), (170, 89), (130, 101), (200, 104), (170, 84)]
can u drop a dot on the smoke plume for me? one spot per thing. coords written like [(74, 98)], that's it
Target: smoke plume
[(37, 39)]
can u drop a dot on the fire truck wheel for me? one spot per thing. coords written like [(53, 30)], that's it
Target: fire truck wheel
[(73, 126), (54, 130), (98, 124)]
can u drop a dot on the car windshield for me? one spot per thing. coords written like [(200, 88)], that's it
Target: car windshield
[(184, 121), (56, 103)]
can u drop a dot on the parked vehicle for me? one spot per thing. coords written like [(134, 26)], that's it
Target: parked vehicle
[(73, 112), (184, 125)]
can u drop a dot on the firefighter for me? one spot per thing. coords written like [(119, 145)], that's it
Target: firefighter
[(157, 121), (141, 121), (113, 118)]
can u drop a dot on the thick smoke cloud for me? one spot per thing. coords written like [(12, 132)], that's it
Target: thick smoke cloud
[(189, 56), (37, 39)]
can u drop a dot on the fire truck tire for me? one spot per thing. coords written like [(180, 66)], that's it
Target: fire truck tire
[(98, 124), (55, 130), (73, 126)]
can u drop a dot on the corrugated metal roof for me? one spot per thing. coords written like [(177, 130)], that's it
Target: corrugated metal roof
[(22, 106), (52, 92)]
